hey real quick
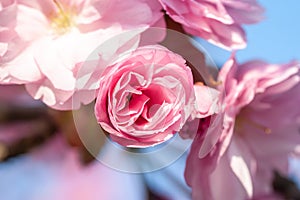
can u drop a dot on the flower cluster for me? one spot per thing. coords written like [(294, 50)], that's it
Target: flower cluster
[(44, 43), (244, 125)]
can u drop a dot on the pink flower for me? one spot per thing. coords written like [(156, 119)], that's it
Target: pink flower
[(145, 97), (217, 21), (235, 159), (55, 36)]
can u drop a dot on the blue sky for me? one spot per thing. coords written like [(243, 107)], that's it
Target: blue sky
[(276, 39)]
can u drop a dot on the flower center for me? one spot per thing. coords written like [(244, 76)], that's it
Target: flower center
[(241, 124), (63, 20)]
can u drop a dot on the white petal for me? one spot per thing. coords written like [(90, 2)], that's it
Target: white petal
[(241, 170)]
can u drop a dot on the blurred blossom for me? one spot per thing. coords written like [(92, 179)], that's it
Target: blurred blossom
[(217, 21), (50, 169), (260, 129), (44, 41), (53, 171)]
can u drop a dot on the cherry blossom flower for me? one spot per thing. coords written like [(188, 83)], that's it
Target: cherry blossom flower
[(52, 38), (258, 130), (147, 96), (217, 21)]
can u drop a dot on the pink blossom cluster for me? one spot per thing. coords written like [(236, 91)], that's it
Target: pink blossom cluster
[(244, 125), (43, 43)]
